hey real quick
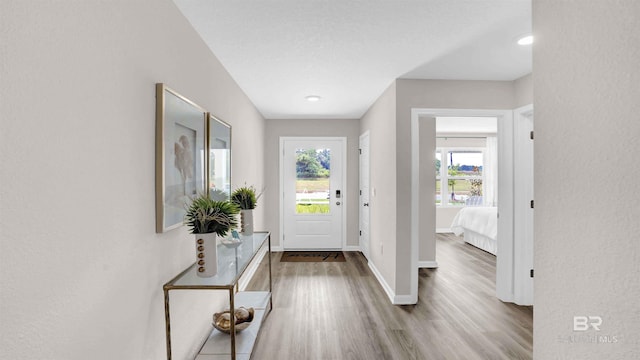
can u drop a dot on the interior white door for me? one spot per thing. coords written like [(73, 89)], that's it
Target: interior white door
[(527, 290), (364, 194), (524, 211), (313, 193)]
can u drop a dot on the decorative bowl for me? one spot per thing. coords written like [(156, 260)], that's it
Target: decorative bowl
[(243, 317)]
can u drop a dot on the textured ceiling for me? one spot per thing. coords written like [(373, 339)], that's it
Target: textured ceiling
[(349, 52)]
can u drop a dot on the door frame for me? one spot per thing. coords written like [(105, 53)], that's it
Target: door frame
[(343, 185)]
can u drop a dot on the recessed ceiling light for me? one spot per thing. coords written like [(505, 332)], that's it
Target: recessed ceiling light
[(313, 98), (526, 40)]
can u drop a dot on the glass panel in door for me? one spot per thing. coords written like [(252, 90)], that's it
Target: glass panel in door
[(313, 181)]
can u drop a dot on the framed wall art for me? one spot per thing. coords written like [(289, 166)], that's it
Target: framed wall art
[(219, 161), (180, 156)]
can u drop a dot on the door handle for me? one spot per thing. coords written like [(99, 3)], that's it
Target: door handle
[(366, 204), (337, 202)]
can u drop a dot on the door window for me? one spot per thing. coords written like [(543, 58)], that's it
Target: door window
[(313, 179)]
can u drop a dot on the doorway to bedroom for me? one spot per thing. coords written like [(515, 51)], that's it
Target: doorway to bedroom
[(466, 174), (468, 152), (466, 198), (458, 188)]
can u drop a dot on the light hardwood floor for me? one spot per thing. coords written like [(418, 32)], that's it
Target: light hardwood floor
[(340, 311)]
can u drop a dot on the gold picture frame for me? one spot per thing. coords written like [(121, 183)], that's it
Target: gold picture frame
[(180, 155)]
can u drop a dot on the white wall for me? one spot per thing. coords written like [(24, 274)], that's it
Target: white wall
[(587, 253), (444, 217), (349, 128), (82, 268), (473, 141), (380, 120)]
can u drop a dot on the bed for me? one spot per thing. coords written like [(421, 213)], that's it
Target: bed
[(479, 225)]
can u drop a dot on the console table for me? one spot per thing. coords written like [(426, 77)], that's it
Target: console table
[(232, 263)]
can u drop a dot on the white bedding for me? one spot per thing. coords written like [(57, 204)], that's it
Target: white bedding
[(481, 220)]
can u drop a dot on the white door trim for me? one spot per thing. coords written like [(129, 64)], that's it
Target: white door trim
[(344, 190), (504, 265)]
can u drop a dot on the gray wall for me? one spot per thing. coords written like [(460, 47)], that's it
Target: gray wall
[(389, 121), (523, 91), (380, 120), (587, 253), (426, 206), (82, 268), (431, 94), (324, 127)]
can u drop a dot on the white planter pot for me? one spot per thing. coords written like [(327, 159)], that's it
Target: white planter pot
[(206, 255), (246, 222)]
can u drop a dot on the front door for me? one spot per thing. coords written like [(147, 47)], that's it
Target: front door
[(313, 192)]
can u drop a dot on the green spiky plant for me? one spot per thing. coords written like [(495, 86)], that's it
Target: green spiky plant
[(205, 215), (245, 197)]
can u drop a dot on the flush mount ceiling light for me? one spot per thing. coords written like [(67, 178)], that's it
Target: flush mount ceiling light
[(313, 98), (525, 40)]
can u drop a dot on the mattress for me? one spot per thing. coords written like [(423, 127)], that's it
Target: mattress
[(481, 220), (479, 226)]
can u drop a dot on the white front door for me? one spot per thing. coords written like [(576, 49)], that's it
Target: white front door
[(313, 192), (364, 194)]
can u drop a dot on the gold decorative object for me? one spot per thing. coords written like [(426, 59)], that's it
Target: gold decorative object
[(243, 318)]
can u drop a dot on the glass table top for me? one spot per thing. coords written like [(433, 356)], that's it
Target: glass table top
[(232, 262)]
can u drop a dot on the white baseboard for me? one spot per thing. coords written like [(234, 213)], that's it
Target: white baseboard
[(505, 297), (395, 299), (404, 300), (348, 248), (427, 264), (251, 269), (443, 230), (387, 289)]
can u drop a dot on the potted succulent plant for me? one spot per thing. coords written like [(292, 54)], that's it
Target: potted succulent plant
[(207, 219), (245, 198)]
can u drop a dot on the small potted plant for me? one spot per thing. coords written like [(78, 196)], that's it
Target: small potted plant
[(245, 198), (207, 219)]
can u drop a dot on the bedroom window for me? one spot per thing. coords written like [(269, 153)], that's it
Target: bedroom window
[(459, 177)]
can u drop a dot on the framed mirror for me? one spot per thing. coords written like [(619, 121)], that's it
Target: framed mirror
[(219, 164)]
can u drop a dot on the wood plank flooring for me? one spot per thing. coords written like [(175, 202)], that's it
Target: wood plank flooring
[(338, 310)]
